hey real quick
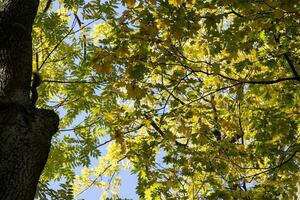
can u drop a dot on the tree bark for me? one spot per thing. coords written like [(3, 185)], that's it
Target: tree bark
[(25, 131)]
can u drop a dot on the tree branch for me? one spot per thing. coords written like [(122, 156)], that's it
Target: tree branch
[(72, 82), (267, 170), (99, 175), (291, 64), (162, 134), (263, 82)]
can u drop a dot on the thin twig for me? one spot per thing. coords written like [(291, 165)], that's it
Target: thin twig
[(57, 45), (73, 82), (99, 175), (267, 170)]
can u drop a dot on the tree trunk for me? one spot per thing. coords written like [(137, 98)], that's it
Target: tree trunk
[(25, 131)]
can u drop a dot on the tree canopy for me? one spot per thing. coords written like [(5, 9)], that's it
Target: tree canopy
[(200, 99)]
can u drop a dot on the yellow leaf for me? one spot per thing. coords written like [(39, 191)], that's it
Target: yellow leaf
[(123, 52), (130, 3), (109, 116), (175, 2), (103, 68), (153, 2), (147, 123), (133, 91), (104, 195), (170, 183), (161, 24)]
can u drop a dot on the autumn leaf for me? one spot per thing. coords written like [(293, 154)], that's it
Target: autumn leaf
[(153, 80), (104, 68), (130, 3), (176, 2), (134, 91)]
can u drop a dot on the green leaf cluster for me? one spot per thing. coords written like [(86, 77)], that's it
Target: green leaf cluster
[(200, 99)]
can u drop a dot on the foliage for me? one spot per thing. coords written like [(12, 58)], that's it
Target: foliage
[(200, 99)]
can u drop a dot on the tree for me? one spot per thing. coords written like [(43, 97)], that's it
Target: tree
[(25, 132), (199, 98)]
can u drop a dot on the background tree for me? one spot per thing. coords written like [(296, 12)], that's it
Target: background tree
[(199, 98), (25, 132)]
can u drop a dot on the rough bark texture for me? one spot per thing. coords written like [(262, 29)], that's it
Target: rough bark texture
[(25, 132)]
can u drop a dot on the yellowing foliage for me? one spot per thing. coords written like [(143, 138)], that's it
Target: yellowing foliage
[(130, 3), (200, 98)]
